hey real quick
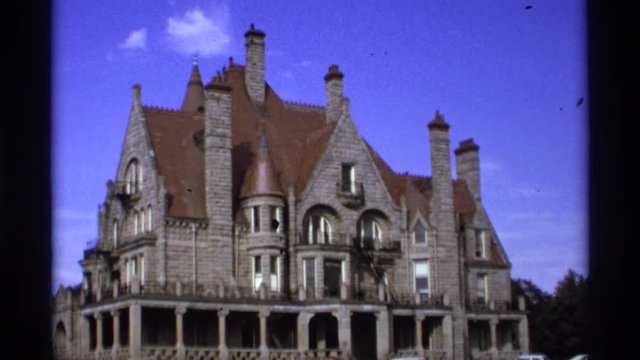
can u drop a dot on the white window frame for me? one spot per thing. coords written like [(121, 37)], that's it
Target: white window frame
[(141, 268), (325, 228), (141, 221), (279, 219), (275, 277), (485, 286), (415, 276), (135, 223), (255, 219), (376, 232), (481, 242)]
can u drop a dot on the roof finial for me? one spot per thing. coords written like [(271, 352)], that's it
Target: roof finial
[(195, 60)]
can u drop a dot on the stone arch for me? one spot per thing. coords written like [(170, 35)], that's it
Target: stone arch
[(323, 332)]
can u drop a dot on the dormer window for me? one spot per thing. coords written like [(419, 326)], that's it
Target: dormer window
[(348, 178), (420, 233), (133, 177)]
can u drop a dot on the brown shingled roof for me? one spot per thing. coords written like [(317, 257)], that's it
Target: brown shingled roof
[(261, 178), (194, 97), (296, 135)]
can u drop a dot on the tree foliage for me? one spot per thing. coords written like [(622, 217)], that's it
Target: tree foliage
[(558, 323)]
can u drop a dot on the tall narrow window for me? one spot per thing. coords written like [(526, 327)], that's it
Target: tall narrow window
[(309, 276), (481, 288), (481, 243), (141, 269), (135, 223), (348, 178), (116, 236), (255, 219), (319, 230), (149, 219), (143, 224), (139, 179), (420, 233), (257, 273), (133, 177), (274, 269), (332, 277), (421, 271), (276, 219), (127, 271)]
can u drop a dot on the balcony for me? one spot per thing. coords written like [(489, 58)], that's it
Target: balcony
[(119, 189), (351, 199), (481, 305)]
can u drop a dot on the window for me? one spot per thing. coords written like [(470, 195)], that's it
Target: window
[(333, 277), (134, 266), (141, 269), (141, 221), (318, 230), (276, 219), (133, 177), (116, 238), (309, 276), (481, 243), (255, 219), (274, 269), (420, 233), (481, 288), (149, 221), (348, 178), (421, 271), (257, 273), (135, 223), (370, 233)]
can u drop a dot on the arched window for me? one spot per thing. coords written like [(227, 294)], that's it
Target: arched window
[(370, 232), (116, 235), (133, 177), (143, 224), (318, 230)]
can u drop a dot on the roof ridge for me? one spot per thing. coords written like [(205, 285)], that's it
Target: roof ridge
[(160, 108), (300, 103)]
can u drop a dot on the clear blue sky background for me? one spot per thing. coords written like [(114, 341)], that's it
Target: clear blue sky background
[(508, 76)]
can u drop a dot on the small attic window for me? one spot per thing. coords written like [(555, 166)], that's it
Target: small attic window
[(420, 233), (348, 178), (133, 177)]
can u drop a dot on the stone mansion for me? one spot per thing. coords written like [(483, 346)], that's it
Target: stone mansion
[(243, 226)]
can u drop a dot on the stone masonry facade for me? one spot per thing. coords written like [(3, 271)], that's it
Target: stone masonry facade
[(243, 226)]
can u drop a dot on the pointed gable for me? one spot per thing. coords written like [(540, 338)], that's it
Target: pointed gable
[(260, 178)]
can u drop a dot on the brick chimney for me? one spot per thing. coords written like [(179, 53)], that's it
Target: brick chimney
[(333, 91), (254, 71), (468, 166)]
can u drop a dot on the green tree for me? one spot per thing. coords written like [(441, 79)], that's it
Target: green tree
[(541, 315)]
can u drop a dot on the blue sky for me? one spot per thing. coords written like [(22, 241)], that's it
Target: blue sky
[(508, 76)]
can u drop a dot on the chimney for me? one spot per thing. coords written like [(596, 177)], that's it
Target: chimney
[(254, 71), (448, 273), (218, 176), (333, 90), (468, 166)]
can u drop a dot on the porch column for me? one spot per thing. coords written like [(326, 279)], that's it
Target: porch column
[(222, 328), (264, 350), (135, 330), (303, 330), (523, 334), (344, 330), (179, 331), (493, 323), (98, 317), (419, 345), (447, 335), (382, 333), (115, 315), (85, 341)]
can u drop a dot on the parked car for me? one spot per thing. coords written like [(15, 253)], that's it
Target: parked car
[(533, 357), (580, 357)]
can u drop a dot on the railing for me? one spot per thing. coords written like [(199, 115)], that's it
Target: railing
[(482, 305), (350, 199), (244, 354), (415, 353), (201, 353), (284, 354), (159, 352), (122, 353), (324, 238), (322, 354), (430, 300)]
